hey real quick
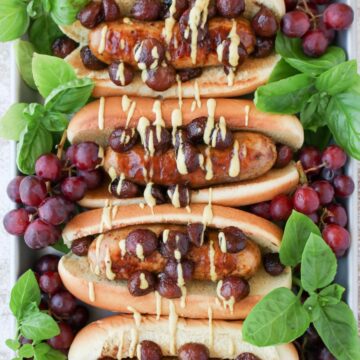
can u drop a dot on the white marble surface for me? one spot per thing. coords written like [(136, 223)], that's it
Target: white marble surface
[(5, 205)]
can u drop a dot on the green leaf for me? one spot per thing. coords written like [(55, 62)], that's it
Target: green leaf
[(23, 57), (343, 118), (43, 32), (291, 51), (278, 318), (34, 141), (26, 351), (285, 96), (331, 295), (60, 246), (64, 11), (50, 72), (39, 326), (55, 121), (44, 352), (25, 291), (13, 122), (318, 264), (281, 71), (35, 8), (12, 344), (34, 111), (337, 328), (14, 19), (312, 306), (70, 97), (297, 231), (338, 79), (313, 112), (319, 138)]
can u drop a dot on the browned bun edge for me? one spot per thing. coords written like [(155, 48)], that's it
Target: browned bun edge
[(263, 188), (102, 338), (266, 234), (114, 295), (239, 115)]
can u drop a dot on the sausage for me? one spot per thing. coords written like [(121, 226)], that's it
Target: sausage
[(244, 263), (121, 39), (257, 155)]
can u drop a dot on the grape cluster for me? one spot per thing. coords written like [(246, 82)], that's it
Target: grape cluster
[(315, 23), (48, 198), (64, 307), (320, 199)]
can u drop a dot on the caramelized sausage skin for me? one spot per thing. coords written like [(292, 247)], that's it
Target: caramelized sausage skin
[(244, 264), (122, 38), (257, 155)]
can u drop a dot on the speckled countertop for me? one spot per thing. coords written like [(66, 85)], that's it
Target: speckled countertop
[(5, 205)]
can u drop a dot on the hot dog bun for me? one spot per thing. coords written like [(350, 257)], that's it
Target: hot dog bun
[(102, 338), (212, 83)]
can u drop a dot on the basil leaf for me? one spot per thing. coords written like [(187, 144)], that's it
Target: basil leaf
[(44, 352), (23, 57), (281, 71), (35, 9), (331, 295), (338, 79), (34, 111), (55, 121), (278, 318), (312, 306), (318, 264), (13, 122), (14, 19), (64, 11), (50, 72), (343, 114), (26, 351), (291, 50), (60, 246), (34, 141), (285, 96), (43, 33), (25, 291), (319, 138), (39, 326), (297, 231), (313, 112), (12, 344), (337, 328), (70, 97)]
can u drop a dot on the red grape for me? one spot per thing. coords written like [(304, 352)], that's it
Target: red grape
[(329, 174), (344, 185), (284, 156), (329, 33), (16, 221), (79, 317), (62, 304), (50, 282), (335, 214), (92, 178), (53, 211), (40, 234), (73, 188), (261, 209), (281, 207), (13, 189), (290, 5), (334, 157), (337, 238), (32, 190), (338, 16), (314, 217), (315, 43), (310, 158), (306, 200), (70, 153), (86, 156), (295, 24), (64, 339), (48, 167), (47, 263), (325, 191)]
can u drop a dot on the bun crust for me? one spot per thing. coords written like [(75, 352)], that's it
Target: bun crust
[(102, 338)]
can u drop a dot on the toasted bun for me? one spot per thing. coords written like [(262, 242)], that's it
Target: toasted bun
[(102, 338), (263, 188), (114, 295), (266, 234), (212, 83), (239, 115)]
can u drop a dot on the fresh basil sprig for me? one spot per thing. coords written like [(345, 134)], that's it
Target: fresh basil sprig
[(280, 317), (32, 323), (34, 125), (325, 91)]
